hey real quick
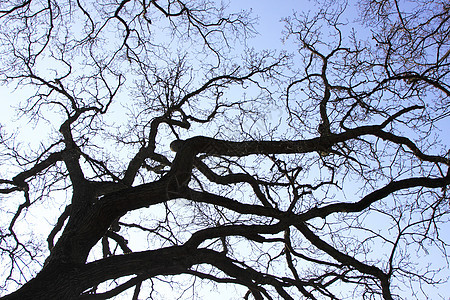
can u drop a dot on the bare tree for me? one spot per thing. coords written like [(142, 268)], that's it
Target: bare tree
[(160, 156)]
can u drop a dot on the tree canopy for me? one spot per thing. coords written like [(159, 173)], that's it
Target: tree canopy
[(154, 151)]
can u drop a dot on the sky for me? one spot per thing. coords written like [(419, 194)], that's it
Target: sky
[(269, 26)]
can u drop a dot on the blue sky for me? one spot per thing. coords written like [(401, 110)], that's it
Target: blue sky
[(269, 27)]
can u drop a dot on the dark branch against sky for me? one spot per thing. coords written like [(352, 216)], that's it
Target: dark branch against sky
[(165, 147)]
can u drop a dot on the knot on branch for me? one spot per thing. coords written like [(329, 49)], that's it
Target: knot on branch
[(175, 146)]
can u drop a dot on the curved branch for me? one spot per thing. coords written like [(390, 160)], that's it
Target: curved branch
[(376, 195)]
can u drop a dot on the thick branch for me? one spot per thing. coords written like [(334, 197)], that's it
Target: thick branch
[(377, 195), (39, 167), (346, 259)]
